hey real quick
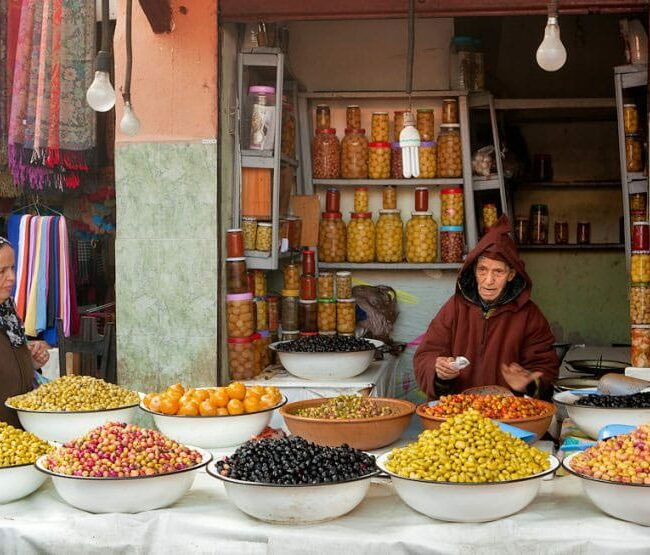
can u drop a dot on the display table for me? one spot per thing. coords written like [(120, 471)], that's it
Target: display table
[(560, 520)]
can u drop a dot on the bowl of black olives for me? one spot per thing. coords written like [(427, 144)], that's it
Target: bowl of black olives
[(322, 357)]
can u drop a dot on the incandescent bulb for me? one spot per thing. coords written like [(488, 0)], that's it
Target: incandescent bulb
[(129, 124), (101, 95), (551, 54)]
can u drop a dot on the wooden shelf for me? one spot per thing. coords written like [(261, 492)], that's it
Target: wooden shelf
[(573, 247), (388, 266), (382, 94), (452, 182), (559, 185)]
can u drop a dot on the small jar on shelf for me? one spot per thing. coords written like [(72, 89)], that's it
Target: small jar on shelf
[(308, 287), (288, 133), (634, 152), (583, 233), (326, 315), (323, 116), (236, 277), (361, 238), (561, 232), (490, 216), (260, 288), (325, 285), (639, 202), (332, 238), (264, 239), (249, 228), (390, 233), (398, 123), (421, 199), (640, 267), (630, 118), (308, 316), (291, 277), (452, 210), (361, 199), (379, 160), (640, 239), (379, 127), (521, 230), (450, 162), (450, 110), (234, 243), (353, 116), (346, 321), (451, 244), (396, 167), (274, 312), (389, 197), (421, 238), (261, 313), (326, 158), (290, 309), (343, 285), (539, 224), (640, 303), (308, 262), (640, 352), (424, 124), (354, 154), (243, 357), (332, 200), (428, 162), (240, 315)]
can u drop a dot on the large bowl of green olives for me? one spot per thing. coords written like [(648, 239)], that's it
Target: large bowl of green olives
[(70, 406), (364, 423)]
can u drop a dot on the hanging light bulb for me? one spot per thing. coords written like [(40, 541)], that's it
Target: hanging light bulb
[(101, 94), (551, 54), (129, 124)]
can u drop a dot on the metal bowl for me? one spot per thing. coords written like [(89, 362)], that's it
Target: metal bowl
[(295, 504), (19, 481), (210, 432), (327, 366), (467, 502), (567, 384), (62, 426), (596, 367), (131, 494), (625, 501), (591, 419)]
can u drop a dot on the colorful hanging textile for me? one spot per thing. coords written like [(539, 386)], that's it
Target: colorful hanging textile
[(51, 127)]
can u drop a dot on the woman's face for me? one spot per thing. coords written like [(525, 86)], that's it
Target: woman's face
[(7, 273)]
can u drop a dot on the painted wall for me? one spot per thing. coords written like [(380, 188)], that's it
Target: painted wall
[(167, 212)]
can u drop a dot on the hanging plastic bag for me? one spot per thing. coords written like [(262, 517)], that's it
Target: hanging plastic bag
[(483, 161)]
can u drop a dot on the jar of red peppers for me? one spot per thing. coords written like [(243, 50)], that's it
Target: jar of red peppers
[(396, 167)]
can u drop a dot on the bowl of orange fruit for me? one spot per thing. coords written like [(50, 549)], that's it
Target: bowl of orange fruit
[(212, 417)]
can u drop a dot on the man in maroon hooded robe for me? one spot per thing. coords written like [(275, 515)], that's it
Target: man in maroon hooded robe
[(492, 322)]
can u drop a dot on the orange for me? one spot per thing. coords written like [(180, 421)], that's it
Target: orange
[(252, 404), (235, 406), (188, 409), (206, 408), (220, 397), (147, 399), (267, 401), (168, 405), (252, 394), (236, 390), (200, 395), (155, 403), (222, 411), (259, 390), (177, 389)]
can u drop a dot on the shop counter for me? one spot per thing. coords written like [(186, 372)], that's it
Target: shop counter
[(560, 520)]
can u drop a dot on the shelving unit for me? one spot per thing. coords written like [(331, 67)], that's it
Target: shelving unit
[(573, 247), (387, 266), (450, 182)]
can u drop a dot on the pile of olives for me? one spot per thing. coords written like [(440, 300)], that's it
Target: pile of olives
[(326, 344), (635, 401), (346, 406), (18, 447)]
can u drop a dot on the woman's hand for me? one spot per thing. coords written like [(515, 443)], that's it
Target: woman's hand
[(40, 354), (517, 377), (444, 369)]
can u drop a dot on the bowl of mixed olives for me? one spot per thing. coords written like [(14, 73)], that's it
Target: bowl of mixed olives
[(361, 422), (592, 411), (322, 357), (70, 406)]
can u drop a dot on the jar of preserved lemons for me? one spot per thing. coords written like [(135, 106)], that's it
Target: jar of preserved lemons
[(361, 199), (640, 267), (331, 238), (354, 154), (427, 160), (361, 238), (421, 238), (449, 151), (451, 207), (379, 127), (389, 197), (424, 123), (390, 234), (379, 160)]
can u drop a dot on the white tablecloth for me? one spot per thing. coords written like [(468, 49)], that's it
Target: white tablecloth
[(560, 520)]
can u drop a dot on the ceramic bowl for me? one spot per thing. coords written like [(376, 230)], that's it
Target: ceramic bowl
[(360, 433), (124, 495), (62, 426), (326, 366), (295, 504), (19, 481), (536, 424), (591, 419), (467, 502), (210, 432), (625, 501)]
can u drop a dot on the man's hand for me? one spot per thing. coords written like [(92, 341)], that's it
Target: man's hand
[(39, 352), (517, 377), (444, 370)]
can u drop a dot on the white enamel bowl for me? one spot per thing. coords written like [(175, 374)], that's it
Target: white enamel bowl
[(19, 481), (62, 426), (210, 432), (297, 504), (629, 502), (326, 366), (124, 495), (467, 502), (591, 419)]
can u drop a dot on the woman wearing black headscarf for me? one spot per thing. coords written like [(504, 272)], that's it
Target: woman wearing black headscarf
[(18, 359)]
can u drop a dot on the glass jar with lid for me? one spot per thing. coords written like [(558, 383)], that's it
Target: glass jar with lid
[(326, 158), (478, 67), (390, 233), (261, 313), (630, 118), (243, 357), (240, 315), (640, 267), (461, 63), (452, 209), (259, 125), (236, 277), (640, 303), (274, 312), (308, 262), (450, 162), (354, 154), (332, 200), (398, 123), (521, 230), (353, 116), (290, 309), (379, 160), (424, 124), (421, 199), (490, 216), (427, 153), (346, 321), (325, 285), (308, 287), (634, 152), (396, 167), (288, 142), (361, 199), (640, 352), (561, 232), (263, 345), (389, 197), (308, 315), (326, 315), (421, 238), (451, 244), (249, 228), (379, 127), (638, 201), (332, 238), (361, 238), (323, 116), (450, 110), (291, 277), (539, 224), (343, 285), (264, 239), (640, 236)]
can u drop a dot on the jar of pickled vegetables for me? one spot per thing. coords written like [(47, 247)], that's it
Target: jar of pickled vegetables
[(449, 151), (322, 116), (295, 232), (361, 199), (308, 315), (332, 238), (326, 157), (421, 238), (264, 239), (274, 312), (263, 345), (638, 201), (390, 234), (236, 278), (291, 277), (451, 244), (332, 200), (261, 313), (288, 142), (450, 110), (353, 116), (421, 199), (640, 355), (354, 154), (398, 123), (243, 357), (427, 154), (346, 321), (640, 303), (630, 118), (290, 310), (379, 160), (490, 216), (634, 152), (308, 287), (389, 197), (249, 228), (640, 267), (309, 262), (452, 210), (379, 127), (240, 315), (343, 285), (361, 238), (259, 281), (325, 285), (424, 124), (326, 315), (396, 167)]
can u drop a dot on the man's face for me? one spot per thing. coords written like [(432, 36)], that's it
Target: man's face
[(492, 276)]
